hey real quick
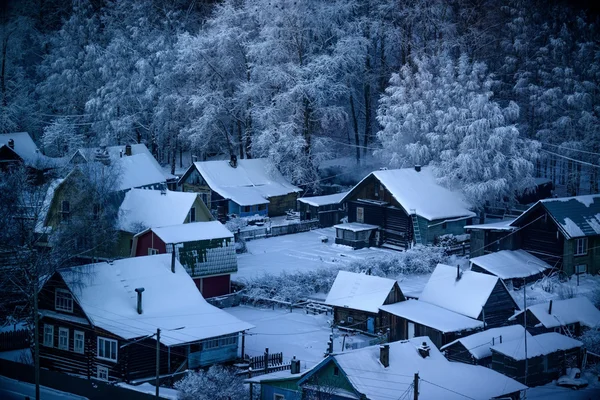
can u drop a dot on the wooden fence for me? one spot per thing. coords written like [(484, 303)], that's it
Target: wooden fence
[(14, 340), (260, 365), (263, 232)]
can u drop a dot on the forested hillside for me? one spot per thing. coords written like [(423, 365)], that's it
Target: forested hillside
[(492, 93)]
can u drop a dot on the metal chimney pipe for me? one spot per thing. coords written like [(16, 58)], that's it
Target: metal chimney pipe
[(139, 299)]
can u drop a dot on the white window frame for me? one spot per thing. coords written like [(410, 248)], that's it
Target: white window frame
[(114, 345), (68, 299), (152, 251), (102, 373), (360, 215), (48, 335), (79, 342), (581, 269), (581, 246), (63, 333)]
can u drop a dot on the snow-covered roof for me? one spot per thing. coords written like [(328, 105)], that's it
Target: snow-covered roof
[(137, 171), (192, 232), (433, 316), (117, 152), (420, 191), (494, 226), (564, 312), (40, 225), (359, 291), (537, 345), (24, 145), (356, 226), (317, 201), (439, 378), (146, 208), (106, 292), (466, 296), (508, 264), (251, 182), (577, 216), (479, 344)]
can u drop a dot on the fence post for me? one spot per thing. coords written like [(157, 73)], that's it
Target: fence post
[(266, 360)]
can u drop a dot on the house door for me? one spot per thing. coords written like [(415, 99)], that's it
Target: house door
[(371, 325), (411, 330)]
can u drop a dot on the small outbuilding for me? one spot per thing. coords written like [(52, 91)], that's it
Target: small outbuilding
[(548, 356), (356, 235), (569, 316), (475, 348), (411, 318), (514, 267), (327, 209), (356, 299), (491, 237)]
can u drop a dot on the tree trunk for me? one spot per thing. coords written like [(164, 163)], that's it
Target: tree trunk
[(307, 130), (240, 139), (367, 118), (355, 125)]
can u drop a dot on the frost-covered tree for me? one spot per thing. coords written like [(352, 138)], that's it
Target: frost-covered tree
[(216, 383), (61, 138), (442, 112)]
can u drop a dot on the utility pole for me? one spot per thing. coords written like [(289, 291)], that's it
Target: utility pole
[(525, 323), (416, 386), (157, 360), (36, 335)]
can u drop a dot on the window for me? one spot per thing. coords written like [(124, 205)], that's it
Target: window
[(360, 214), (278, 397), (581, 269), (193, 214), (107, 349), (63, 338), (152, 251), (262, 207), (48, 335), (78, 342), (228, 340), (65, 209), (350, 319), (336, 371), (581, 246), (102, 373), (63, 300), (376, 191), (246, 209), (210, 344)]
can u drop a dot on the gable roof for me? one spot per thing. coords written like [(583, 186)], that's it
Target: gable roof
[(146, 208), (251, 182), (508, 264), (420, 191), (137, 171), (539, 345), (26, 149), (359, 291), (467, 296), (432, 316), (440, 378), (117, 152), (565, 312), (106, 293), (317, 201), (577, 216), (479, 344), (191, 232)]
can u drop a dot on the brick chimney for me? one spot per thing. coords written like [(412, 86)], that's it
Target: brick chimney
[(384, 355), (424, 350)]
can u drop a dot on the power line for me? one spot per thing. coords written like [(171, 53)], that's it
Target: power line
[(571, 159)]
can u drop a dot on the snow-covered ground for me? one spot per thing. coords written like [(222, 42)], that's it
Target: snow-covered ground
[(553, 392), (13, 389), (19, 355), (164, 393), (589, 286), (298, 252)]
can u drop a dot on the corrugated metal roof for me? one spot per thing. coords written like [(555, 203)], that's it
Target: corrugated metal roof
[(578, 216)]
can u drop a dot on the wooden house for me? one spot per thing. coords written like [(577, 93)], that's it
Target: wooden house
[(412, 318), (479, 296), (279, 385), (18, 148), (564, 232), (548, 356), (327, 209), (386, 372), (242, 187), (514, 267), (491, 237), (100, 321), (570, 316), (476, 348), (205, 249), (408, 206), (356, 299)]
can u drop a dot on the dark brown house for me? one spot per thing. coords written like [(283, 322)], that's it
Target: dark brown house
[(408, 206), (100, 321), (356, 299), (548, 356)]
